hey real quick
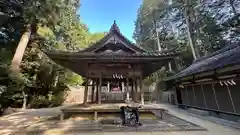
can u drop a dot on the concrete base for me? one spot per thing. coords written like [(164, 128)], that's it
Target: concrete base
[(95, 109), (198, 112), (225, 116)]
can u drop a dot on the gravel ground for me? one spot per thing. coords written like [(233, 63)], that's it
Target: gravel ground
[(33, 122)]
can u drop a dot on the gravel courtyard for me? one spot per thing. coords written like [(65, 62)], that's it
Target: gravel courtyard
[(39, 122)]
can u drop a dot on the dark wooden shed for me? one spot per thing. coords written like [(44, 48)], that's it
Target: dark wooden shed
[(212, 82)]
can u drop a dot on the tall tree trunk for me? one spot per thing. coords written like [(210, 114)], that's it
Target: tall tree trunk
[(17, 58), (189, 28)]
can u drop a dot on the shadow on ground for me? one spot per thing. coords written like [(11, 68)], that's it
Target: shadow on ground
[(28, 124)]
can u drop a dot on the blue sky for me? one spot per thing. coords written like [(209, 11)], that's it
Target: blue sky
[(100, 14)]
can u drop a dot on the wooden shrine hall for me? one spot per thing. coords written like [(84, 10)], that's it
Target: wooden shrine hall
[(113, 65)]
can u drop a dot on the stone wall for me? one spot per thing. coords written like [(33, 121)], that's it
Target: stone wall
[(76, 94)]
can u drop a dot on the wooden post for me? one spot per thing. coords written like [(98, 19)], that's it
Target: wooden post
[(95, 115), (108, 86), (215, 96), (86, 91), (230, 95), (99, 89), (127, 88), (123, 88), (204, 98), (136, 90), (188, 102), (142, 92), (93, 92), (195, 97), (132, 92)]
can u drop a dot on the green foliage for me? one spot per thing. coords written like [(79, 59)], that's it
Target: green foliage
[(209, 28), (55, 25), (74, 79), (39, 102), (53, 100), (95, 37)]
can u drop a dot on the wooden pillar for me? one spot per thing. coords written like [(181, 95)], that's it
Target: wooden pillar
[(136, 90), (138, 96), (142, 92), (99, 89), (132, 91), (188, 102), (93, 92), (123, 87), (230, 95), (108, 86), (204, 98), (215, 96), (86, 91), (95, 115), (127, 88), (195, 97)]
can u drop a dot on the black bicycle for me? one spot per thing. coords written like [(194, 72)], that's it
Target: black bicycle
[(130, 116)]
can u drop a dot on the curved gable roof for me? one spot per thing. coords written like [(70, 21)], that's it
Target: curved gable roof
[(114, 35)]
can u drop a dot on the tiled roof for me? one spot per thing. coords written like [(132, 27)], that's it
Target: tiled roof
[(113, 30), (229, 55), (110, 53)]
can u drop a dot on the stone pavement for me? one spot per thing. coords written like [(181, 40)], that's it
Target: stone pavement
[(15, 123), (213, 128)]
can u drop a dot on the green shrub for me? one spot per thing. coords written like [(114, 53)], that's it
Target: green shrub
[(39, 102), (57, 99)]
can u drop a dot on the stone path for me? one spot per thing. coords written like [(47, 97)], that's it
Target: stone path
[(15, 124), (213, 128)]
